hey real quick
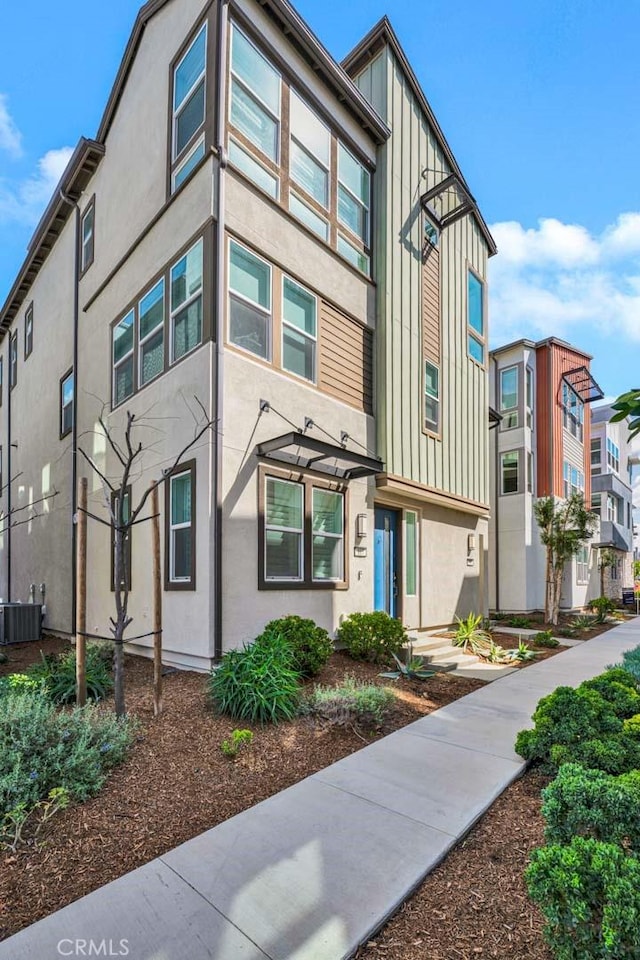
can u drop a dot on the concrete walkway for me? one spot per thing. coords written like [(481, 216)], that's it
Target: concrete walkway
[(313, 871)]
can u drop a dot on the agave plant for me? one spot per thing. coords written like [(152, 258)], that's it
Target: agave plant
[(471, 635), (521, 652), (412, 669)]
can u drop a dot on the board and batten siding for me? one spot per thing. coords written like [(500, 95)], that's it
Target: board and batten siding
[(346, 358), (431, 307), (458, 463)]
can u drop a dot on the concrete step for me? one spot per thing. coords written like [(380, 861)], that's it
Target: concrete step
[(450, 656), (427, 642)]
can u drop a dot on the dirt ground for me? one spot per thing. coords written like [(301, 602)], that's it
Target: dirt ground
[(177, 783)]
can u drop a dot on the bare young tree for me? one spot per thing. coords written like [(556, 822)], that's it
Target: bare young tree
[(565, 526), (124, 515)]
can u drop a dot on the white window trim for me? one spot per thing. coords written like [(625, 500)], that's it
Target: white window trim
[(281, 529), (329, 536), (152, 333), (175, 112), (199, 294), (178, 526), (302, 333), (252, 303), (513, 410), (84, 259), (119, 363), (431, 396)]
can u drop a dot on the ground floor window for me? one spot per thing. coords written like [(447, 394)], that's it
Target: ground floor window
[(180, 530), (302, 542), (582, 565)]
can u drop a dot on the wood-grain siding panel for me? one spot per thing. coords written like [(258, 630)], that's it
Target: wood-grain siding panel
[(346, 359)]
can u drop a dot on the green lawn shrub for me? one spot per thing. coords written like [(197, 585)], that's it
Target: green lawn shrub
[(545, 638), (602, 606), (350, 702), (372, 636), (310, 644), (258, 683)]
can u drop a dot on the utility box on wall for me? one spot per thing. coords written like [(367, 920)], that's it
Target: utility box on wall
[(20, 622)]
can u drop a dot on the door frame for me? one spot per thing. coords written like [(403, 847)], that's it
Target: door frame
[(399, 511)]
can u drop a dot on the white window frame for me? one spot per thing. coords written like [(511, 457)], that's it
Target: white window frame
[(13, 359), (131, 353), (478, 336), (176, 111), (199, 294), (255, 95), (503, 456), (85, 261), (428, 424), (256, 306), (179, 526), (281, 529), (529, 396), (152, 333), (328, 536), (291, 326), (509, 412), (582, 565)]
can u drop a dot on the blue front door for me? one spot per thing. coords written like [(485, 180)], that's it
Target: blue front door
[(386, 561)]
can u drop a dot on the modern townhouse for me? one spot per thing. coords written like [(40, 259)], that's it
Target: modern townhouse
[(612, 498), (540, 448), (250, 233)]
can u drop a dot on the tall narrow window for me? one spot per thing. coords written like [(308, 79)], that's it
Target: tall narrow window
[(327, 552), (189, 106), (123, 381), (87, 237), (13, 359), (180, 530), (284, 530), (582, 564), (151, 333), (28, 331), (254, 102), (310, 151), (431, 397), (596, 503), (509, 397), (475, 317), (299, 330), (249, 301), (529, 396), (509, 464), (596, 456), (66, 403), (186, 302), (354, 185), (126, 513), (411, 553)]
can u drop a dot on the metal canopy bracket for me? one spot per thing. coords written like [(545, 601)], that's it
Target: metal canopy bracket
[(308, 453), (448, 201), (583, 384)]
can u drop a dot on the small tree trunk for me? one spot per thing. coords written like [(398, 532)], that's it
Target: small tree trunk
[(120, 623), (81, 597), (557, 594), (157, 605), (548, 599), (118, 672)]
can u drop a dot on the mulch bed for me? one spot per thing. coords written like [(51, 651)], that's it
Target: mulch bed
[(475, 904), (177, 783)]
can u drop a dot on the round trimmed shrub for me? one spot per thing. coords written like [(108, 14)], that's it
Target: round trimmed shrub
[(310, 644), (372, 636), (257, 684)]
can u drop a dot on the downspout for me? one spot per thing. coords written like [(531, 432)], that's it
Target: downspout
[(8, 482), (74, 424), (221, 86)]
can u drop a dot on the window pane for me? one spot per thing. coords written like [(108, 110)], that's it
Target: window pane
[(248, 327), (353, 175), (327, 512), (190, 163), (352, 214), (309, 175), (283, 560), (123, 337), (152, 309), (67, 391), (254, 170), (181, 554), (181, 499), (509, 388), (475, 306), (67, 418), (187, 329), (309, 130), (186, 276), (299, 307), (190, 118), (411, 525), (431, 413), (258, 74), (249, 276), (190, 68), (298, 354), (284, 504), (354, 256), (308, 217), (152, 351), (431, 380), (123, 386), (327, 558), (87, 225), (476, 349), (248, 116), (510, 473)]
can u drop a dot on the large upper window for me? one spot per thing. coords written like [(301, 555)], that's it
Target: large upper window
[(87, 237), (510, 470), (509, 397), (310, 151), (151, 333), (475, 317), (596, 456), (353, 194), (123, 373), (431, 397), (249, 301), (66, 403), (186, 302), (572, 411), (254, 103), (180, 528), (189, 108), (573, 480), (613, 455)]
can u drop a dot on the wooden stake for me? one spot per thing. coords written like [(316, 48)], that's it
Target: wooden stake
[(81, 597), (157, 605)]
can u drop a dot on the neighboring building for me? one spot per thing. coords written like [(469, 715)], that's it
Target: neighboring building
[(224, 252), (612, 497), (541, 448)]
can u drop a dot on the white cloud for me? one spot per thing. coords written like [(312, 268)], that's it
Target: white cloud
[(10, 136), (23, 202), (558, 279)]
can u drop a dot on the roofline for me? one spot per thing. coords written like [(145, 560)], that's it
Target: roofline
[(334, 74), (537, 344), (79, 170), (381, 33)]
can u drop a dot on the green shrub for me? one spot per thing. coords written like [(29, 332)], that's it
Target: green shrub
[(590, 803), (631, 726), (42, 749), (545, 638), (631, 662), (57, 672), (258, 683), (19, 683), (589, 894), (310, 644), (523, 622), (618, 688), (603, 606), (566, 631), (236, 742), (350, 702), (372, 636), (614, 753)]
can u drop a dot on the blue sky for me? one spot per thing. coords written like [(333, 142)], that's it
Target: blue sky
[(538, 101)]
